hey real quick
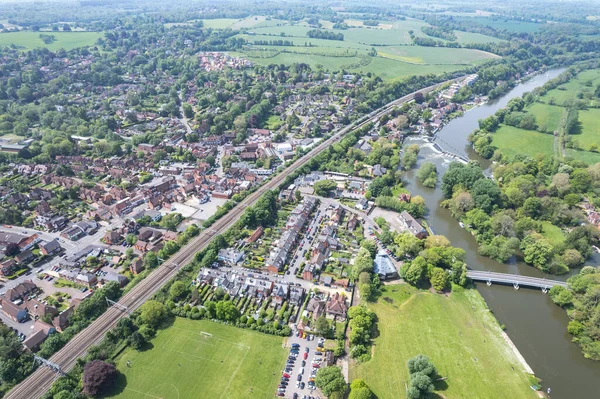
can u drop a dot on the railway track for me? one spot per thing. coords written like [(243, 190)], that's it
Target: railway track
[(34, 386)]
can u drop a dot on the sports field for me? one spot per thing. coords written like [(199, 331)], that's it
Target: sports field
[(459, 335), (184, 363), (66, 40)]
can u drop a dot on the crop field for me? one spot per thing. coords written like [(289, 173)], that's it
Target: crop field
[(512, 141), (397, 57), (184, 363), (457, 332), (66, 40)]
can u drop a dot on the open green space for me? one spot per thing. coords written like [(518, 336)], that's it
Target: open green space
[(552, 233), (397, 58), (585, 156), (508, 24), (512, 141), (184, 363), (219, 23), (547, 116), (65, 40), (584, 81), (590, 128), (458, 333)]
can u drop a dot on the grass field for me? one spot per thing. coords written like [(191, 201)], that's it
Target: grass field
[(586, 80), (590, 128), (183, 363), (509, 25), (552, 233), (512, 141), (66, 40), (548, 116), (457, 332), (397, 58)]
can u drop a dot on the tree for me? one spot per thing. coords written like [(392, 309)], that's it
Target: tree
[(330, 380), (178, 290), (360, 390), (407, 244), (12, 249), (150, 260), (436, 241), (137, 340), (322, 326), (419, 97), (427, 174), (98, 376), (324, 187), (439, 279), (130, 239), (536, 251), (153, 313), (422, 372)]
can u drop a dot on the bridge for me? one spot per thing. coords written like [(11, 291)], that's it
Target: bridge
[(514, 279)]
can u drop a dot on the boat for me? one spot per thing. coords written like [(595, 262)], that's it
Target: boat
[(461, 224)]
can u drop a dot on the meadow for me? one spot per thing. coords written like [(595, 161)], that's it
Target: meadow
[(184, 363), (456, 331), (397, 56), (512, 141), (65, 40)]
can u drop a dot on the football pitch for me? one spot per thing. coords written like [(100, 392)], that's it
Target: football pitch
[(202, 359)]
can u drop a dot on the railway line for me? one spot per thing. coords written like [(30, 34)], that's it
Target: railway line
[(39, 382)]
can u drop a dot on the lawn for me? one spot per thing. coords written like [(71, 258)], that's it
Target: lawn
[(66, 40), (183, 363), (457, 332), (219, 23), (552, 233), (512, 141), (585, 81)]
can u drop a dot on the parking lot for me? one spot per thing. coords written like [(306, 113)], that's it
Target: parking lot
[(303, 367)]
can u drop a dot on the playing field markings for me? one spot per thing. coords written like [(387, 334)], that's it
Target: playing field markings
[(235, 372)]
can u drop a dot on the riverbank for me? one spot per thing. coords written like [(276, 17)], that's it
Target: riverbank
[(457, 331)]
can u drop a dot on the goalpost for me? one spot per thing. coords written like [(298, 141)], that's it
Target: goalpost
[(206, 334)]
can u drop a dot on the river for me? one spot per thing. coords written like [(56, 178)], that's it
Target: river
[(536, 326)]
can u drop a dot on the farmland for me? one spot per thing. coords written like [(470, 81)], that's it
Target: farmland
[(396, 56), (457, 332), (512, 141), (65, 40), (183, 363)]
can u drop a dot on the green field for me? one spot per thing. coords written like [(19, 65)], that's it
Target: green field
[(590, 128), (397, 58), (585, 81), (509, 25), (457, 332), (547, 116), (552, 233), (512, 141), (65, 40), (183, 363)]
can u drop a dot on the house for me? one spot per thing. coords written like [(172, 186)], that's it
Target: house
[(296, 295), (411, 225), (327, 280), (316, 306), (20, 291), (61, 321), (255, 235), (112, 238), (384, 267), (336, 307), (280, 293), (309, 272), (14, 311), (362, 204), (230, 256), (24, 257), (7, 267), (87, 279), (42, 331), (137, 266), (38, 309), (50, 248)]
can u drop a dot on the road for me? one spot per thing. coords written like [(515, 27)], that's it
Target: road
[(39, 382)]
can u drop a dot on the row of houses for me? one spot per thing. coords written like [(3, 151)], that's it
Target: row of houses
[(296, 221), (237, 285)]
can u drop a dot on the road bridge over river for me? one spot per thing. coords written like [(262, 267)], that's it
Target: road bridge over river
[(514, 279)]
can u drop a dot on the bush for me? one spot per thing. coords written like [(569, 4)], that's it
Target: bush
[(98, 376)]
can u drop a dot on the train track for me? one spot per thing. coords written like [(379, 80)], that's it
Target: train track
[(39, 382)]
